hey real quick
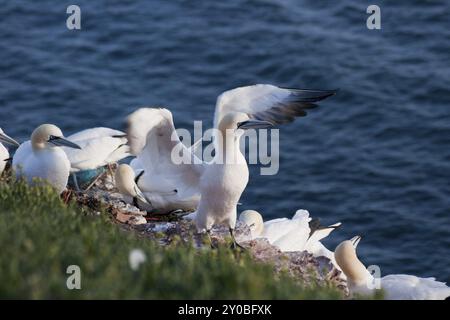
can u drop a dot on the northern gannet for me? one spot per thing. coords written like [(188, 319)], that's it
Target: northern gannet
[(395, 286), (42, 157), (219, 183), (4, 153), (166, 186), (100, 147), (301, 233)]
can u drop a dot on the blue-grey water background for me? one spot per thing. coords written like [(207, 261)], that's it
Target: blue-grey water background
[(376, 156)]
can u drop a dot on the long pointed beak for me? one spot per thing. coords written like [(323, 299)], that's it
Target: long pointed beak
[(334, 226), (355, 241), (62, 142), (8, 140), (254, 124), (140, 196)]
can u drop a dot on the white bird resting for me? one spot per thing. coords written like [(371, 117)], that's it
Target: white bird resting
[(42, 157), (395, 286), (301, 233), (100, 147), (154, 202), (4, 153), (220, 183)]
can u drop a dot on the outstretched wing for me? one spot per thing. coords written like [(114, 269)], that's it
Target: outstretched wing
[(268, 102), (167, 162)]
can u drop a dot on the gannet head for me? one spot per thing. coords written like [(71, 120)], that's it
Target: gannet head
[(7, 139), (239, 120), (49, 135), (125, 183), (254, 220), (346, 258)]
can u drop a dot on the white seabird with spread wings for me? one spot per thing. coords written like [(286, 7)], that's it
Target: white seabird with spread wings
[(395, 286), (216, 185)]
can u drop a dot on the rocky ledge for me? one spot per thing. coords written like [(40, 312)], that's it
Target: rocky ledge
[(176, 227)]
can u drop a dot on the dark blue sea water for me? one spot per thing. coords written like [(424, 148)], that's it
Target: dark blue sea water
[(376, 156)]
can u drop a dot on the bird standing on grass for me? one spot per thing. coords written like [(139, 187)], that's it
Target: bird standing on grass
[(42, 157)]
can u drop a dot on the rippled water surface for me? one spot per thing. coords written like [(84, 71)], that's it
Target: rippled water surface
[(376, 156)]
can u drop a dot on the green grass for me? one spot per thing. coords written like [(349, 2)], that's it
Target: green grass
[(41, 236)]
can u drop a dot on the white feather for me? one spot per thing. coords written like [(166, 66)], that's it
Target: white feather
[(167, 185), (152, 138), (407, 287), (99, 147), (268, 102), (50, 164)]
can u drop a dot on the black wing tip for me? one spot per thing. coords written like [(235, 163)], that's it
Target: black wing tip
[(333, 92), (136, 180), (315, 226), (312, 95)]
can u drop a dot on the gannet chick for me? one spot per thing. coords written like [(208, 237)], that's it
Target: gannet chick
[(289, 235), (396, 286), (4, 153), (43, 157)]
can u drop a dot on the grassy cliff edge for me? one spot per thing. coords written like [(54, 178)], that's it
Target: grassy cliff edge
[(42, 236)]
